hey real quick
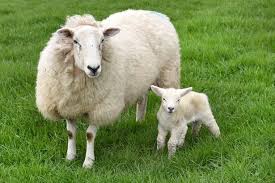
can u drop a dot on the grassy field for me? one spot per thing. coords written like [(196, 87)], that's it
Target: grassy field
[(227, 51)]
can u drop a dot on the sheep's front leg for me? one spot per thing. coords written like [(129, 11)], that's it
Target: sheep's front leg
[(162, 133), (182, 134), (71, 129), (173, 142), (141, 107), (90, 156)]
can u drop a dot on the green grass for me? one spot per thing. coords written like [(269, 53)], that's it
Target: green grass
[(227, 51)]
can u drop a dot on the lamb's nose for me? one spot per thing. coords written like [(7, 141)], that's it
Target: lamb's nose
[(171, 109), (93, 69)]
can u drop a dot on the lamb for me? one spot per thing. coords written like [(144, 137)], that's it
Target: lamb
[(179, 107), (95, 69)]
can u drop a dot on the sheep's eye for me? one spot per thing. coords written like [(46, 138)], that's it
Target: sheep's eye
[(178, 100), (77, 43), (102, 40), (164, 99)]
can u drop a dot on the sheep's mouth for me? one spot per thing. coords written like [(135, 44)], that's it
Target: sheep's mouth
[(93, 75)]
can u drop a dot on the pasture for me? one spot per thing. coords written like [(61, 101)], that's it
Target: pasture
[(228, 52)]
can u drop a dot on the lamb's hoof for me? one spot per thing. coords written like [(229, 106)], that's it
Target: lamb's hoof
[(160, 146), (170, 155), (180, 145), (139, 119), (160, 149), (70, 157), (217, 134), (195, 134), (88, 163)]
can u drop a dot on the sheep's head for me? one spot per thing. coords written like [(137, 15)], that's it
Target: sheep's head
[(87, 46), (170, 97)]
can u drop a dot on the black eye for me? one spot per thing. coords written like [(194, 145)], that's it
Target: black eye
[(75, 42), (178, 100), (102, 40), (163, 99)]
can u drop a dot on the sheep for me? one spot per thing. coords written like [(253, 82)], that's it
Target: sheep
[(179, 107), (95, 69)]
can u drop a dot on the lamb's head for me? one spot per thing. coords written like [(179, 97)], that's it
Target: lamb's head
[(87, 46), (170, 97)]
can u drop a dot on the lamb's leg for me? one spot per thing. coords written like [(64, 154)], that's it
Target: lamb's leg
[(182, 134), (71, 129), (90, 156), (162, 133), (141, 108), (196, 126), (209, 121), (173, 142)]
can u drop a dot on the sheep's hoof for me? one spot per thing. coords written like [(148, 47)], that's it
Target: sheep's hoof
[(88, 163), (140, 118), (217, 134), (160, 146), (180, 145), (171, 155), (70, 157), (195, 134)]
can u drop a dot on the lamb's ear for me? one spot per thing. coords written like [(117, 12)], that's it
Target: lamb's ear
[(110, 32), (158, 91), (185, 91), (67, 32)]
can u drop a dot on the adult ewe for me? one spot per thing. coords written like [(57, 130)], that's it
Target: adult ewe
[(96, 69)]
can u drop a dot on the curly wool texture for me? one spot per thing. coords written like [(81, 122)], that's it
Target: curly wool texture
[(146, 51), (78, 20)]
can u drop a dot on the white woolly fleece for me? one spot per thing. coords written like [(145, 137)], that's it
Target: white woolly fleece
[(146, 51)]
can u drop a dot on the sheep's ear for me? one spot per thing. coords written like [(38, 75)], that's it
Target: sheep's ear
[(110, 32), (67, 32), (158, 91), (185, 91)]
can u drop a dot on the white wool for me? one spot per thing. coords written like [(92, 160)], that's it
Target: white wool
[(144, 52), (188, 106), (78, 20), (192, 107)]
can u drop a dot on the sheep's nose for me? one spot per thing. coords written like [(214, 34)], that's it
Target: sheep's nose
[(93, 69), (171, 109)]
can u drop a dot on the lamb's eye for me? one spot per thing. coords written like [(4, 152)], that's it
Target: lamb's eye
[(164, 99), (178, 100), (75, 42), (102, 40)]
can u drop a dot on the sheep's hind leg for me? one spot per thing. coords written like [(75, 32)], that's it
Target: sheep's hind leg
[(209, 121), (90, 156), (141, 107), (196, 126), (71, 129)]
